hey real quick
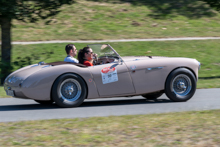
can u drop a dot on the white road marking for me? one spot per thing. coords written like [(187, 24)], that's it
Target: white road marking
[(119, 40)]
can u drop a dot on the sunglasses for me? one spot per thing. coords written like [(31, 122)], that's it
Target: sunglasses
[(90, 52)]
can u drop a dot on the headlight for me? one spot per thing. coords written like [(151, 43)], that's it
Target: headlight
[(6, 78), (198, 63), (14, 79)]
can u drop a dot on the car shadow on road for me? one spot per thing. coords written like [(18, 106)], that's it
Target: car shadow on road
[(128, 101), (88, 103), (27, 107)]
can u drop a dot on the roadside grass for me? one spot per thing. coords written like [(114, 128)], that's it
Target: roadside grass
[(208, 83), (3, 93), (87, 20), (191, 129)]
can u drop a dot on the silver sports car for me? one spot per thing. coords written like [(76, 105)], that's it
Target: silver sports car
[(68, 84)]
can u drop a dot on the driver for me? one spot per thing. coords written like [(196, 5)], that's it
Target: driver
[(86, 56)]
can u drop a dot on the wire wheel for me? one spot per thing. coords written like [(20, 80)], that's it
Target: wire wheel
[(70, 90), (181, 85)]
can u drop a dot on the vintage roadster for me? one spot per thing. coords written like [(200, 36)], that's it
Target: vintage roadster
[(68, 84)]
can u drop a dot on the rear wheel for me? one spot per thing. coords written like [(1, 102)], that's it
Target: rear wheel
[(180, 85), (153, 96), (69, 90)]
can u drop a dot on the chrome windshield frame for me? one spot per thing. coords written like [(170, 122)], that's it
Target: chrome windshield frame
[(110, 48)]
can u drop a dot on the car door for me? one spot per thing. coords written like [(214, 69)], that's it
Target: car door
[(112, 79)]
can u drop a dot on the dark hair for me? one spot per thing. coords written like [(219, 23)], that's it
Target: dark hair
[(69, 47), (81, 54)]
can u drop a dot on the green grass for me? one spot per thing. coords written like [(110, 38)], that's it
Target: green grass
[(208, 83), (185, 129), (3, 93), (86, 20)]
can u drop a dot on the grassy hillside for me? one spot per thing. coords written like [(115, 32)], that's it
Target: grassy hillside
[(87, 20)]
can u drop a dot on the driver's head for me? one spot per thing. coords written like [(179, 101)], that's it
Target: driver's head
[(85, 54)]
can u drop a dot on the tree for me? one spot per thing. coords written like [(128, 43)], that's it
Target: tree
[(214, 4), (26, 11)]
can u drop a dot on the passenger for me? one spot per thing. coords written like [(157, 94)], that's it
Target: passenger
[(71, 52), (85, 56)]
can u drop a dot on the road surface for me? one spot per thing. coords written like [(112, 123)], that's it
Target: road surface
[(12, 109)]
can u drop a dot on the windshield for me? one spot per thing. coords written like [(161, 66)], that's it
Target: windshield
[(103, 50)]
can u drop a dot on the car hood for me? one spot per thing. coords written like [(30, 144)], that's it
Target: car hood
[(19, 75)]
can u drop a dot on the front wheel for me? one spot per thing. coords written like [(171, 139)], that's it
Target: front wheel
[(180, 85), (69, 90)]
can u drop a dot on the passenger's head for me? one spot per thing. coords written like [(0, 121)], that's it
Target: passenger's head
[(85, 54), (71, 50)]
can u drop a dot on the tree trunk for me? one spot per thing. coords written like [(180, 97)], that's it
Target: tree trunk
[(5, 48)]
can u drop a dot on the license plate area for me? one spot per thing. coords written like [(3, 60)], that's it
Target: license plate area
[(10, 92)]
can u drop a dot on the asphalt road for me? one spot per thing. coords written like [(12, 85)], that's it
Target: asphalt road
[(12, 109)]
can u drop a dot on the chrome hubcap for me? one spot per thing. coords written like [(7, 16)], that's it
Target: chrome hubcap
[(181, 85), (70, 90)]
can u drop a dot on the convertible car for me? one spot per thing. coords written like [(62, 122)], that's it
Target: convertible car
[(68, 84)]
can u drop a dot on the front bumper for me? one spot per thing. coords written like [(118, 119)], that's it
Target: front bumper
[(13, 87)]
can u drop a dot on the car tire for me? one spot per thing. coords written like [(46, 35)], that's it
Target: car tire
[(180, 85), (152, 96), (69, 90), (44, 102)]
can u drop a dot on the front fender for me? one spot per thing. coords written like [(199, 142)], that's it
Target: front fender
[(38, 85)]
